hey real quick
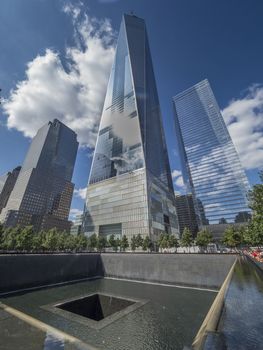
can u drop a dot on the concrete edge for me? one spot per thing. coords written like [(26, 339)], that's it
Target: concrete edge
[(212, 318), (46, 328), (173, 285)]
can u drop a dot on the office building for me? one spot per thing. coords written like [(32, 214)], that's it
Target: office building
[(7, 183), (130, 188), (43, 191), (76, 227), (186, 214), (211, 167)]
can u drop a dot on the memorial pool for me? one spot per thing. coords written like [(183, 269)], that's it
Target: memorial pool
[(161, 317)]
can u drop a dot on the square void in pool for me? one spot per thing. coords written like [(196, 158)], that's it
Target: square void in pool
[(96, 306)]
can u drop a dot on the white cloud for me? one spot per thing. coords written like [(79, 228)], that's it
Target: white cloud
[(244, 119), (73, 93), (176, 173), (81, 193), (178, 180)]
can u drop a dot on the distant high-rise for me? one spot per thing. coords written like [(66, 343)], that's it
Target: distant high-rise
[(43, 191), (186, 214), (130, 188), (7, 183), (211, 167), (76, 227)]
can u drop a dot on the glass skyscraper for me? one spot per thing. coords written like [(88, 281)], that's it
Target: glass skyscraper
[(186, 214), (7, 183), (211, 167), (130, 188), (43, 191)]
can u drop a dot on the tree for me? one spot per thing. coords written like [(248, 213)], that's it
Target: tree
[(133, 243), (24, 239), (173, 242), (69, 242), (112, 242), (232, 237), (63, 241), (10, 238), (124, 243), (147, 243), (256, 198), (139, 241), (254, 233), (51, 240), (37, 242), (242, 231), (81, 242), (163, 241), (118, 243), (92, 242), (187, 238), (203, 238), (101, 243)]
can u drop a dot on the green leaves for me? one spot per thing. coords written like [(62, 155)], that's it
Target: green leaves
[(133, 243), (256, 198), (203, 238), (187, 238), (233, 237), (163, 241), (254, 232), (101, 243), (167, 241), (173, 242), (147, 243), (24, 238), (27, 240), (92, 241), (139, 241), (124, 244)]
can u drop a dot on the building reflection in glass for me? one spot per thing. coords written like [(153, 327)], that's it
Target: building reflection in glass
[(211, 167), (130, 188)]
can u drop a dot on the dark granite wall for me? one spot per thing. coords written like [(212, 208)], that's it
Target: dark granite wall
[(24, 271), (198, 270)]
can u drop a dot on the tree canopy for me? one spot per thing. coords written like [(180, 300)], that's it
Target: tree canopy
[(203, 238), (232, 237), (187, 238)]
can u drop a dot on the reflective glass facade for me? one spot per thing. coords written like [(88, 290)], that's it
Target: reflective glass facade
[(7, 183), (130, 188), (211, 167), (43, 191)]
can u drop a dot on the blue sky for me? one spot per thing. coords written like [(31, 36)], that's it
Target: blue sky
[(55, 59)]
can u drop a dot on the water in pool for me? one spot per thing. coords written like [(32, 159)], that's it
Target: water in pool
[(155, 317)]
